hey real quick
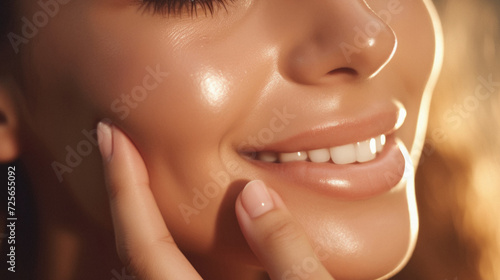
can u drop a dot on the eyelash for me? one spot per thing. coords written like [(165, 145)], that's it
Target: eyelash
[(174, 7)]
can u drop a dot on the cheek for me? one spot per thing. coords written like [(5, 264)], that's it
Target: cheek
[(418, 52), (173, 106), (413, 63), (176, 102)]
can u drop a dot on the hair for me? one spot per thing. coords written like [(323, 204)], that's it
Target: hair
[(457, 180), (6, 13)]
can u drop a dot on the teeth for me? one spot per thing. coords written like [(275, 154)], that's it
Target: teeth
[(289, 157), (321, 155), (357, 152), (380, 141), (267, 156), (344, 154), (366, 150)]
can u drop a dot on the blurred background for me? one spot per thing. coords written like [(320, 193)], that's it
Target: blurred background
[(458, 180)]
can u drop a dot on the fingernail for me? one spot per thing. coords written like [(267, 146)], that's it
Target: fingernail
[(105, 139), (255, 199)]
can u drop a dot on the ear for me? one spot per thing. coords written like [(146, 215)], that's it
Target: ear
[(9, 122)]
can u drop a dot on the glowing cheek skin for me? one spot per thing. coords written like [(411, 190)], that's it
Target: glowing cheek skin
[(214, 88)]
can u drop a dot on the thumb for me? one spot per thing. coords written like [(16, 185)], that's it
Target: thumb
[(275, 237)]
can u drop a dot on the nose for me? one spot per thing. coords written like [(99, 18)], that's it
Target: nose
[(327, 39)]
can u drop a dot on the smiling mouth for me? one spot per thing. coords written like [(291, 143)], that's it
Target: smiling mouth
[(360, 152), (367, 169), (347, 158)]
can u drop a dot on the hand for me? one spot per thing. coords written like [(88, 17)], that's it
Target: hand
[(145, 245)]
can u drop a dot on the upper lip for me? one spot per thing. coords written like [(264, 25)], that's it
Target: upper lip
[(339, 131)]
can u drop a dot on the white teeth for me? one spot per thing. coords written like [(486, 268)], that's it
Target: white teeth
[(366, 150), (380, 142), (357, 152), (289, 157), (344, 154), (321, 155), (267, 156)]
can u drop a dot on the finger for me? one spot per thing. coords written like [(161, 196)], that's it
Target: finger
[(275, 237), (142, 238)]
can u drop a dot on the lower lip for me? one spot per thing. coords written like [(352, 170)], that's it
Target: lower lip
[(350, 181)]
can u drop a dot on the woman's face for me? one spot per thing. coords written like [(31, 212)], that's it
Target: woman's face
[(209, 99)]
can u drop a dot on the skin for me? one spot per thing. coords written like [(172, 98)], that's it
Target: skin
[(220, 79)]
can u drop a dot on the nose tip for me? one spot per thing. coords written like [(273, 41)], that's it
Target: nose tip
[(339, 39), (370, 48)]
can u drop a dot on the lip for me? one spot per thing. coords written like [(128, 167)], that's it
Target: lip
[(351, 181), (385, 120)]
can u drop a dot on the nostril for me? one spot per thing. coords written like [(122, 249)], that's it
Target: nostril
[(344, 70)]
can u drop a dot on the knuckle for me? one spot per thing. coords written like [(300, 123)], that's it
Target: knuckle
[(167, 239), (283, 232), (113, 191), (137, 268), (138, 257), (136, 262), (133, 262)]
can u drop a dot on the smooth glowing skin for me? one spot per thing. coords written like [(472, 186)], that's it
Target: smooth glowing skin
[(226, 75)]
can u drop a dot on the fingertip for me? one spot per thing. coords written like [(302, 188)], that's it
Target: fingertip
[(277, 239), (105, 139), (256, 199), (277, 199)]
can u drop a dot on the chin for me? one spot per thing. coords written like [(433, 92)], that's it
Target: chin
[(366, 239), (373, 243)]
